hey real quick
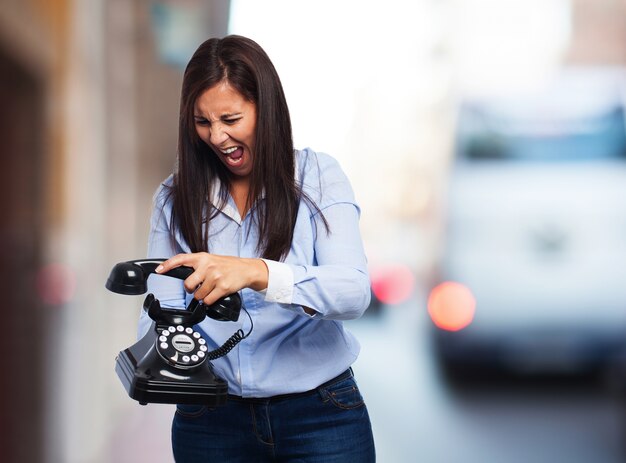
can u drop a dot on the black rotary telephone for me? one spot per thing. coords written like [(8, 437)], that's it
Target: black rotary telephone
[(171, 363)]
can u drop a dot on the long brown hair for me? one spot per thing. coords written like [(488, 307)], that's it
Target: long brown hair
[(244, 65)]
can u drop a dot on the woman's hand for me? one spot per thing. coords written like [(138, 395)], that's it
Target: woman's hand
[(218, 276)]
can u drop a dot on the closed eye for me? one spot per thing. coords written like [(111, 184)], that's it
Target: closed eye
[(225, 120)]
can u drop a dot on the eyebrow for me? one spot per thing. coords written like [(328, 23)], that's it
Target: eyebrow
[(223, 116)]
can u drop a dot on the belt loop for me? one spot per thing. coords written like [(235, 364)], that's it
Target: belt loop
[(321, 390)]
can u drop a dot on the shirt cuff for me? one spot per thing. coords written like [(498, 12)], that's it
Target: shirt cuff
[(279, 283)]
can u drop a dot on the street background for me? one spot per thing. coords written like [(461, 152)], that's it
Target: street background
[(89, 103)]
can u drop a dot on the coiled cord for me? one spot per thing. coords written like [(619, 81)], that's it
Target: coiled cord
[(231, 342)]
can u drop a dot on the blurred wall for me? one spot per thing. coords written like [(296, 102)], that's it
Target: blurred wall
[(30, 76), (20, 246)]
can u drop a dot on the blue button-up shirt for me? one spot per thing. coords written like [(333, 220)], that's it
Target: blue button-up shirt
[(288, 350)]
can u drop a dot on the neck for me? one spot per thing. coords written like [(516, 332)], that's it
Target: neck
[(239, 189)]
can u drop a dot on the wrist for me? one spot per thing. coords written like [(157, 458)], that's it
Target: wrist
[(259, 274)]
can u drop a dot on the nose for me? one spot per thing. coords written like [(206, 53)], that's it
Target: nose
[(217, 134)]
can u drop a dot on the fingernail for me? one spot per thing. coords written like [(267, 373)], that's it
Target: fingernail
[(159, 268)]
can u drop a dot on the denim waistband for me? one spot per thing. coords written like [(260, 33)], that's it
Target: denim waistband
[(341, 377)]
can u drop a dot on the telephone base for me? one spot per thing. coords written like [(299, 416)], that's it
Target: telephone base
[(166, 385)]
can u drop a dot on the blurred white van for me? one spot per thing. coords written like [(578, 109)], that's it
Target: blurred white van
[(535, 232)]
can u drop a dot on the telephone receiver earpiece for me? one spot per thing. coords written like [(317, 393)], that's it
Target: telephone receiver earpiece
[(131, 278)]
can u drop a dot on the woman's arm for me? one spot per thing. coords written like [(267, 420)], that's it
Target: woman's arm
[(338, 285)]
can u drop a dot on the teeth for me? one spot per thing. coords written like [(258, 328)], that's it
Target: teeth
[(229, 150)]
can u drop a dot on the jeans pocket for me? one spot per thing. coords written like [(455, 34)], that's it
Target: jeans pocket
[(344, 394), (190, 411)]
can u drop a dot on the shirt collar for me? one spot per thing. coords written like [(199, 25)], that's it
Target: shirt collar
[(229, 208)]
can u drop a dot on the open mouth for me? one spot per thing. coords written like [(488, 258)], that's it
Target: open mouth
[(233, 155)]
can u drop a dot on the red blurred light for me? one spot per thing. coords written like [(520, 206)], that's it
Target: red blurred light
[(56, 284), (451, 306), (392, 284)]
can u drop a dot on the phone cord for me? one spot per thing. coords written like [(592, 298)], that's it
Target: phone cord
[(231, 342)]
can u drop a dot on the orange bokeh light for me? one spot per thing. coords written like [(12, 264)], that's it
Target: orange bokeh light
[(451, 306)]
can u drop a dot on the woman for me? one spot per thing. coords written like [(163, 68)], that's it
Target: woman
[(252, 215)]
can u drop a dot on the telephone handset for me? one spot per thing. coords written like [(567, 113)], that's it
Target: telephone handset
[(171, 363)]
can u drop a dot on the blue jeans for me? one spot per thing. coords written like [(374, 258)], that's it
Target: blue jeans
[(328, 424)]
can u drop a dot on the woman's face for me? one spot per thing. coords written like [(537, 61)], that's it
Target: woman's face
[(226, 121)]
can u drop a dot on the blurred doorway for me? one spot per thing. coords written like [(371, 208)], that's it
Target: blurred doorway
[(21, 134)]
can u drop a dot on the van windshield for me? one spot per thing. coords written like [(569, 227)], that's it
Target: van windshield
[(486, 136)]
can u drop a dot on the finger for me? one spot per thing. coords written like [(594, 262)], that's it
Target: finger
[(193, 281), (176, 261), (220, 288), (203, 290), (215, 295)]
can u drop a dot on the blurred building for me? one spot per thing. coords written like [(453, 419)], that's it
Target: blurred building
[(89, 127), (88, 110), (31, 75)]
